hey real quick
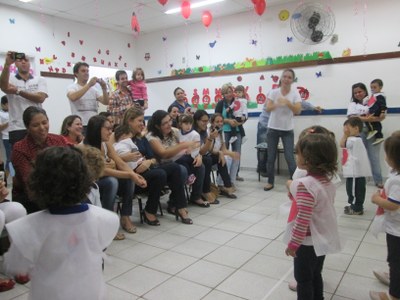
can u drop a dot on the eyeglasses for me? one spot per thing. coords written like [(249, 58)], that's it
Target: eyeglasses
[(166, 122)]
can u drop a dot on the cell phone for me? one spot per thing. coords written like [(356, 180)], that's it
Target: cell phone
[(1, 176), (17, 55), (218, 128)]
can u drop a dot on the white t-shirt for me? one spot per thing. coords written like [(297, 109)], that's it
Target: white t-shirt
[(86, 106), (126, 146), (192, 136), (355, 162), (62, 252), (392, 218), (357, 109), (17, 104), (4, 119), (281, 117), (240, 108)]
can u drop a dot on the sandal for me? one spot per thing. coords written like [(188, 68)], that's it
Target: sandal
[(128, 225), (268, 187), (119, 236), (201, 204), (6, 284)]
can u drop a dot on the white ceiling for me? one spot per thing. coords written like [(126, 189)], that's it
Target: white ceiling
[(116, 14)]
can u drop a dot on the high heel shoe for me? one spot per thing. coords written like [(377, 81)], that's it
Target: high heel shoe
[(184, 220), (155, 222)]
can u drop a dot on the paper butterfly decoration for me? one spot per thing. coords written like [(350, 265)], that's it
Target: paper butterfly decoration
[(81, 42), (120, 57), (129, 45), (164, 38), (318, 74), (289, 39), (68, 63), (254, 42), (68, 34), (171, 65), (159, 72), (37, 49), (212, 44), (63, 42), (99, 52), (83, 58), (12, 21), (125, 65), (197, 57)]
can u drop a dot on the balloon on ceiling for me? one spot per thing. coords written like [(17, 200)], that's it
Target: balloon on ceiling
[(135, 24), (186, 10), (259, 6), (206, 18), (163, 2)]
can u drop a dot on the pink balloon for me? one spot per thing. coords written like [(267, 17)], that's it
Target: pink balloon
[(260, 6), (206, 18), (186, 10)]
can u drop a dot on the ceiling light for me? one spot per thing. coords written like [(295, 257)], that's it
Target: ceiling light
[(192, 5), (25, 1)]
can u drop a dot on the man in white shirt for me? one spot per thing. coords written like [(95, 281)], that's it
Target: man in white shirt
[(23, 90), (83, 95)]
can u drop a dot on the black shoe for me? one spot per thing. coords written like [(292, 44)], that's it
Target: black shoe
[(187, 221), (155, 222)]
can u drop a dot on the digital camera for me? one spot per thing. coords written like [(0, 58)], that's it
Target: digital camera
[(17, 55)]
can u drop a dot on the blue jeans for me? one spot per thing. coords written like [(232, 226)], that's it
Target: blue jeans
[(373, 152), (262, 156), (110, 186), (236, 147), (8, 165), (287, 137)]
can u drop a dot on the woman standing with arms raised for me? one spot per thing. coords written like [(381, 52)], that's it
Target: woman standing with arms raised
[(283, 103)]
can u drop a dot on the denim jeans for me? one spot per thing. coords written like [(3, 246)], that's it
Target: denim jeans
[(287, 137), (110, 186), (307, 272), (262, 156), (236, 147), (373, 152)]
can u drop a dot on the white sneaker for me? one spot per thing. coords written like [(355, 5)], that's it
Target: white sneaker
[(382, 277), (378, 141), (232, 139), (371, 134)]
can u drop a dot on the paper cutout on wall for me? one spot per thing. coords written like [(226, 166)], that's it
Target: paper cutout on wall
[(63, 70), (81, 42), (50, 69), (346, 52), (41, 61), (37, 49), (289, 39), (120, 57), (284, 15), (212, 44), (254, 42), (83, 58), (197, 57), (147, 56), (304, 93), (94, 59), (239, 78), (125, 65), (129, 45), (57, 70), (108, 52), (68, 34), (195, 98), (164, 38), (63, 43), (72, 54), (12, 21), (318, 74), (48, 60), (262, 77), (54, 57), (102, 61), (171, 65), (218, 95), (69, 64), (99, 51), (206, 97), (260, 98)]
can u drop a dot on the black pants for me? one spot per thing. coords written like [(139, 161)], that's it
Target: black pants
[(359, 192), (307, 272), (393, 245), (222, 170)]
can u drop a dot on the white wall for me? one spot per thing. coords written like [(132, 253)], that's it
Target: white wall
[(364, 29)]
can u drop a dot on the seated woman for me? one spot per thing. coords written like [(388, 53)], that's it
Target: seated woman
[(71, 129), (164, 142), (129, 135), (24, 153), (173, 111), (180, 103), (117, 178), (213, 150)]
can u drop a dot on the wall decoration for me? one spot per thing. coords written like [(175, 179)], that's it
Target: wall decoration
[(129, 45), (186, 10), (83, 58), (94, 59), (108, 52), (163, 2), (304, 93), (12, 21), (68, 34), (164, 38), (135, 24), (346, 52), (99, 51), (206, 18), (262, 77), (239, 78), (147, 56), (37, 49), (253, 42), (81, 42), (283, 15), (260, 98), (212, 44), (197, 57), (289, 39), (120, 57), (63, 43), (218, 95), (69, 64), (334, 39), (206, 97), (318, 74)]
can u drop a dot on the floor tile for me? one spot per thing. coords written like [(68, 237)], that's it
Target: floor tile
[(248, 243), (230, 257), (170, 262), (216, 236)]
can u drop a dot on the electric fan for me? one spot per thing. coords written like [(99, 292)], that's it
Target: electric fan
[(312, 23)]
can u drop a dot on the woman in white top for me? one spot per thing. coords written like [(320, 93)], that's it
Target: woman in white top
[(283, 103)]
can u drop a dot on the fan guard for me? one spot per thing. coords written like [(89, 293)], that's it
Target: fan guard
[(312, 23)]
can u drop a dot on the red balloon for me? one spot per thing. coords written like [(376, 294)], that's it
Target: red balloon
[(206, 18), (260, 6), (163, 2), (186, 10)]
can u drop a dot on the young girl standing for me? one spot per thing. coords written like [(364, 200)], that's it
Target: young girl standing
[(391, 205), (312, 228), (139, 88)]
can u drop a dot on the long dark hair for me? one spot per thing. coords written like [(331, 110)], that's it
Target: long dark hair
[(30, 112), (93, 131), (154, 124), (67, 123), (197, 116), (361, 86)]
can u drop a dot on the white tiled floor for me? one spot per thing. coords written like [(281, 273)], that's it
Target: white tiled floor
[(233, 251)]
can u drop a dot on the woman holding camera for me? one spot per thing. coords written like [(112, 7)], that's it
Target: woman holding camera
[(214, 150)]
